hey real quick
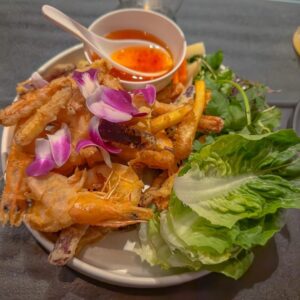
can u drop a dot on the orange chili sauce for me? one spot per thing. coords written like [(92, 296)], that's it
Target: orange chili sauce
[(142, 59)]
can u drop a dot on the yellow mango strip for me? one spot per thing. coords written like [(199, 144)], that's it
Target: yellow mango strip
[(169, 119), (200, 100)]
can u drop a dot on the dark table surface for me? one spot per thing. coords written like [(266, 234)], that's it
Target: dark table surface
[(255, 36)]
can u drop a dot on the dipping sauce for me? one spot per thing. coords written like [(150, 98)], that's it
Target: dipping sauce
[(142, 59)]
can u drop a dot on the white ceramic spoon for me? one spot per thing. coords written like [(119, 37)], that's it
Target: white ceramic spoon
[(100, 45)]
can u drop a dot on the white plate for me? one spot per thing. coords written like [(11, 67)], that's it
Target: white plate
[(105, 260)]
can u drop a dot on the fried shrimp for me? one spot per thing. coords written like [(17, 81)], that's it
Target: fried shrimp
[(78, 126), (13, 201), (159, 195), (52, 199), (208, 124), (29, 102), (96, 142), (184, 136), (161, 158), (43, 116), (116, 204), (95, 209), (170, 93), (186, 130), (147, 196)]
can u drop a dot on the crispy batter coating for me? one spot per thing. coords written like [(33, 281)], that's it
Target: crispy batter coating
[(147, 195), (208, 124), (160, 108), (160, 192), (162, 195), (94, 180), (186, 130), (75, 105), (127, 154), (111, 82), (43, 116), (85, 199), (156, 159), (162, 158), (116, 204), (121, 182), (60, 70), (13, 201), (53, 197), (78, 126), (184, 136), (170, 93), (30, 102)]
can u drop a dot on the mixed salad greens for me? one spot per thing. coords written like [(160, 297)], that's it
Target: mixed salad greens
[(229, 195)]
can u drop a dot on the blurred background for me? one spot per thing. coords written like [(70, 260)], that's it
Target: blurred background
[(255, 36)]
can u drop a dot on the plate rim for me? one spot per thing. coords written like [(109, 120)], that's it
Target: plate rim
[(76, 264)]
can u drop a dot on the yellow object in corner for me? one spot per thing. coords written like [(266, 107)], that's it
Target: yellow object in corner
[(296, 40)]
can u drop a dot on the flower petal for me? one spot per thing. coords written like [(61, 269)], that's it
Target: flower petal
[(40, 167), (105, 111), (149, 93), (97, 139), (44, 161), (106, 157), (85, 143), (37, 80), (60, 143), (120, 100), (87, 81), (140, 114), (88, 143)]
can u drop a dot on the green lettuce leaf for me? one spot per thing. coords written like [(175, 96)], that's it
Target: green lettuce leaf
[(155, 250), (234, 267), (238, 177), (180, 239), (228, 199)]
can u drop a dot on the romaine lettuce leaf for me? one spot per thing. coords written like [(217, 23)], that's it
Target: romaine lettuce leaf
[(237, 177), (154, 249), (228, 199), (234, 267)]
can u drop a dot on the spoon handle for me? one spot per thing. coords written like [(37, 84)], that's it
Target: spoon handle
[(70, 25), (97, 43)]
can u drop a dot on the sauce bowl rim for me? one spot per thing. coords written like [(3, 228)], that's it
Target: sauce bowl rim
[(157, 79)]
